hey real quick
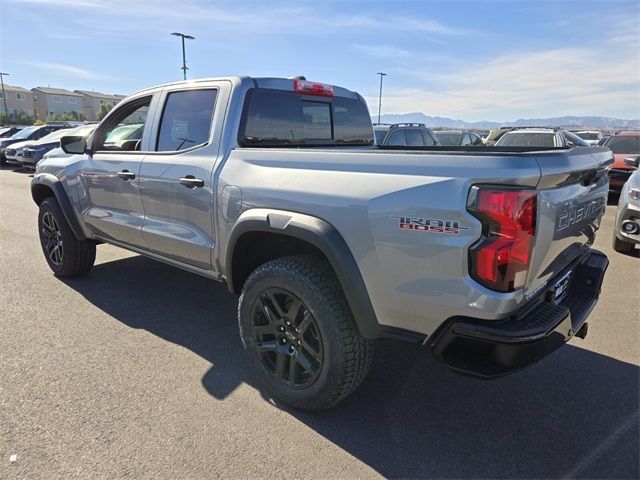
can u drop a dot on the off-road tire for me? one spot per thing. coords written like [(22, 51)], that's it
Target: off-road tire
[(347, 355), (622, 246), (77, 256)]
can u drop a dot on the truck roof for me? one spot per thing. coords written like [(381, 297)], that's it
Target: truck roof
[(275, 83)]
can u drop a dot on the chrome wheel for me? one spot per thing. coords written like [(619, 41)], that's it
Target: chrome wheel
[(287, 338), (52, 238)]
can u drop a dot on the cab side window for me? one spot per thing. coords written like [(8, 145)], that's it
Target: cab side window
[(123, 130), (414, 138), (186, 120)]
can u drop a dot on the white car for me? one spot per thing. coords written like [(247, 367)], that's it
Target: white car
[(540, 138), (13, 153), (592, 137)]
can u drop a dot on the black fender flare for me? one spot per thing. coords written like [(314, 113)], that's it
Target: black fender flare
[(53, 183), (330, 242)]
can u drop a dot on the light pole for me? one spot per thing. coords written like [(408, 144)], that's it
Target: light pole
[(4, 96), (382, 74), (184, 57)]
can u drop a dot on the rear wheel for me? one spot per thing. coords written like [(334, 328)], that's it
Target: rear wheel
[(66, 255), (300, 334), (622, 246)]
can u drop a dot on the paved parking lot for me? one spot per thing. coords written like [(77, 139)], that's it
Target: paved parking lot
[(137, 370)]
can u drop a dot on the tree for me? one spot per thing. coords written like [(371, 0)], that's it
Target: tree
[(104, 109)]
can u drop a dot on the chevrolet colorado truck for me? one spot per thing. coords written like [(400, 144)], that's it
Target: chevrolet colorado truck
[(273, 186)]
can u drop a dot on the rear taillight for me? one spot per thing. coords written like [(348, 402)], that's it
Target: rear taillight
[(500, 260), (313, 88)]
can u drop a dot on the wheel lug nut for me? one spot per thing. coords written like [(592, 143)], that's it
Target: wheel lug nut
[(288, 323), (281, 329), (292, 349)]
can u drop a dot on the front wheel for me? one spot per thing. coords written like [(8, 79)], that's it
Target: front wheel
[(300, 334), (66, 255)]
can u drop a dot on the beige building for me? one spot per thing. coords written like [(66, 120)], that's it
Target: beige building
[(18, 100), (92, 101), (54, 101)]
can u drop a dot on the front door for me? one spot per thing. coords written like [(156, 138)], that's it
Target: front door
[(108, 182), (176, 178)]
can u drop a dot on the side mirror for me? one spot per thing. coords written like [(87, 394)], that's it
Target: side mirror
[(632, 161), (73, 144)]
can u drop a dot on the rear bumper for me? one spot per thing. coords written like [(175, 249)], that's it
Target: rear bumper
[(489, 349)]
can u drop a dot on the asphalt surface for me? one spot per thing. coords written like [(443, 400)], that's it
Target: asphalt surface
[(136, 370)]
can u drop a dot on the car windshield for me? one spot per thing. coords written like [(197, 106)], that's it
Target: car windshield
[(527, 139), (25, 132), (624, 144), (83, 131), (57, 135), (123, 132), (380, 136), (449, 139), (588, 135)]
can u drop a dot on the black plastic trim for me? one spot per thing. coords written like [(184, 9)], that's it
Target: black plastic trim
[(490, 349), (63, 200), (329, 241)]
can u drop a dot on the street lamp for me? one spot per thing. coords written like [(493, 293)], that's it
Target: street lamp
[(382, 74), (4, 96), (184, 58)]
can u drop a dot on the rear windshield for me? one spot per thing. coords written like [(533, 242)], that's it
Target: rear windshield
[(527, 140), (623, 144), (281, 118)]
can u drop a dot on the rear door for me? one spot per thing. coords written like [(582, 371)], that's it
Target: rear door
[(108, 181), (176, 178)]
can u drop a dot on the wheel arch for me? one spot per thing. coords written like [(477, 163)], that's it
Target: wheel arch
[(44, 186), (305, 234)]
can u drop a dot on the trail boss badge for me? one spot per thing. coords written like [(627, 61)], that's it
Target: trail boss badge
[(449, 227)]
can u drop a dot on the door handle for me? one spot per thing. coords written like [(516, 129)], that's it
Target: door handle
[(126, 175), (190, 181)]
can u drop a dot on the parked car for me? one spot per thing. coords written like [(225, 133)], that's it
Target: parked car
[(458, 138), (495, 135), (408, 134), (34, 132), (623, 145), (540, 138), (592, 137), (34, 151), (331, 242), (626, 230), (6, 132)]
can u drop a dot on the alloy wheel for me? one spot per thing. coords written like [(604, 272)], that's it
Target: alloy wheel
[(52, 238)]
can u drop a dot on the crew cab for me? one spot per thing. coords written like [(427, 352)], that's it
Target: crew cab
[(273, 186)]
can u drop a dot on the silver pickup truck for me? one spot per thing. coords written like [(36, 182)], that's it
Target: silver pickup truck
[(273, 186)]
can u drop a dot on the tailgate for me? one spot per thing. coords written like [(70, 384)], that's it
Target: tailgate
[(572, 198)]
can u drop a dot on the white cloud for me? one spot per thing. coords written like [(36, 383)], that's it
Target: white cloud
[(67, 70), (564, 81), (382, 51)]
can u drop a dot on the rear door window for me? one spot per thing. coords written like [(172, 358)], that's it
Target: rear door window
[(186, 120)]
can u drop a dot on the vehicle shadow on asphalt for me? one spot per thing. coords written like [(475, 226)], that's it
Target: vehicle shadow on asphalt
[(574, 415)]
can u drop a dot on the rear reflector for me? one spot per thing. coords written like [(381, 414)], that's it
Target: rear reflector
[(313, 88), (500, 260)]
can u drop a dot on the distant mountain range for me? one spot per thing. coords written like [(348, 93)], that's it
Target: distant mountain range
[(604, 123)]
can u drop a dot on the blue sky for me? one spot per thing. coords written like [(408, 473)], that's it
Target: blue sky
[(494, 60)]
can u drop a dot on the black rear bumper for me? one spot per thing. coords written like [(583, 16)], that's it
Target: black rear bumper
[(490, 349)]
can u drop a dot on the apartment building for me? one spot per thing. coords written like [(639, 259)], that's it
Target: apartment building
[(18, 100), (54, 101), (92, 102)]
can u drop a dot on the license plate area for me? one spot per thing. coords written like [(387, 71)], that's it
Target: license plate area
[(561, 288)]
